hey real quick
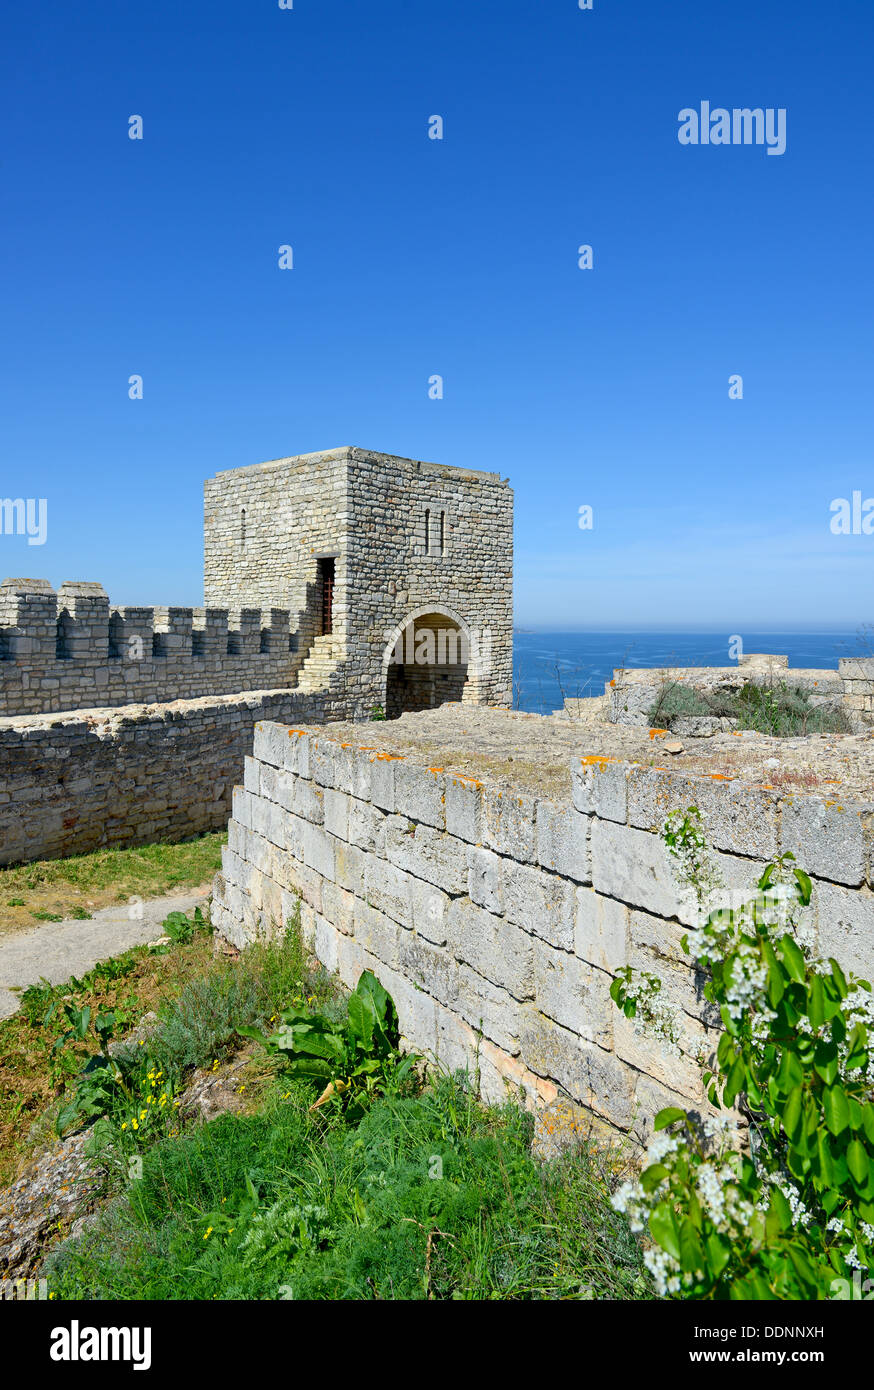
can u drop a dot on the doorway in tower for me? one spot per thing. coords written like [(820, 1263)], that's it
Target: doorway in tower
[(427, 666), (325, 596)]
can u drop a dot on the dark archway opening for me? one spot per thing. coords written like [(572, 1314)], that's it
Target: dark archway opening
[(428, 666)]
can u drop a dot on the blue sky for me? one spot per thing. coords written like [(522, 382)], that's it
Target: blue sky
[(413, 257)]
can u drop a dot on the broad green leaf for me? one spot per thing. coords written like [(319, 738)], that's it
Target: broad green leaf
[(691, 1252), (792, 1113), (718, 1253), (663, 1225), (816, 1002), (736, 1080), (668, 1116), (779, 1217), (789, 1073), (792, 958), (858, 1161), (825, 1062), (837, 1112), (652, 1176), (804, 885), (840, 977)]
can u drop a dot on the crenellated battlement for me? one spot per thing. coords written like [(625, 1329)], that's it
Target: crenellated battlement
[(72, 649)]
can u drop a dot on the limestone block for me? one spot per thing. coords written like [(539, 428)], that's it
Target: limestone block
[(489, 1010), (352, 771), (242, 807), (336, 813), (326, 944), (339, 905), (271, 743), (431, 967), (587, 1073), (573, 993), (828, 838), (419, 793), (563, 841), (322, 761), (651, 1096), (484, 879), (508, 824), (540, 902), (682, 985), (464, 808), (430, 909), (318, 850), (646, 1054), (427, 853), (845, 927), (737, 817), (376, 932), (296, 752), (494, 948), (389, 889), (382, 778), (349, 863), (633, 865), (600, 787), (601, 930), (366, 826)]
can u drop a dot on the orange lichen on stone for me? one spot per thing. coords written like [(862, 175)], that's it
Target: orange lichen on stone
[(596, 759), (658, 733), (389, 757)]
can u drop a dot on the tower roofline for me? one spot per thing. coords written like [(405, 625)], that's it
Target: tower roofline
[(345, 452)]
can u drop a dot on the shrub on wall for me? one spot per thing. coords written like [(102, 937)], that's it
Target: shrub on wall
[(774, 1199)]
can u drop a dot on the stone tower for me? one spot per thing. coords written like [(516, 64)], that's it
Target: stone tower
[(397, 574)]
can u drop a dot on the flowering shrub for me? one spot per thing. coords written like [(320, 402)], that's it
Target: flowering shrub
[(774, 1200), (154, 1104)]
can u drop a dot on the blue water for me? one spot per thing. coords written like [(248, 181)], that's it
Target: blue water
[(547, 667)]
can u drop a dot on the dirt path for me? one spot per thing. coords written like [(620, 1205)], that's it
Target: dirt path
[(57, 950)]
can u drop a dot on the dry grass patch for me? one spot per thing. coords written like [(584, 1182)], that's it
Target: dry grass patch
[(52, 889)]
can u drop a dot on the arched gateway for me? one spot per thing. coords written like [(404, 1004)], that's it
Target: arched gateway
[(431, 658)]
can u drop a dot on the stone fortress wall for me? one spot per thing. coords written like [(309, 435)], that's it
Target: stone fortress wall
[(412, 546), (634, 692), (73, 782), (497, 919), (409, 541), (124, 724), (72, 650)]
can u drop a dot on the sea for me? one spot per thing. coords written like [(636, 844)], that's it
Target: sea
[(549, 667)]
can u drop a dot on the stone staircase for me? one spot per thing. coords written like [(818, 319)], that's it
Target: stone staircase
[(322, 660)]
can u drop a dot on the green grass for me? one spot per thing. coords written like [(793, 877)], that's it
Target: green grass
[(50, 889), (284, 1204), (200, 1001), (777, 709)]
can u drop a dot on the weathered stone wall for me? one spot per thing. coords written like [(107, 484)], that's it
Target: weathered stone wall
[(72, 650), (71, 783), (634, 693), (408, 539), (497, 920)]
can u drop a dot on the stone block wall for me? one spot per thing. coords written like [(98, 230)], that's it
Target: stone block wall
[(72, 650), (408, 539), (497, 919), (74, 782), (632, 694)]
